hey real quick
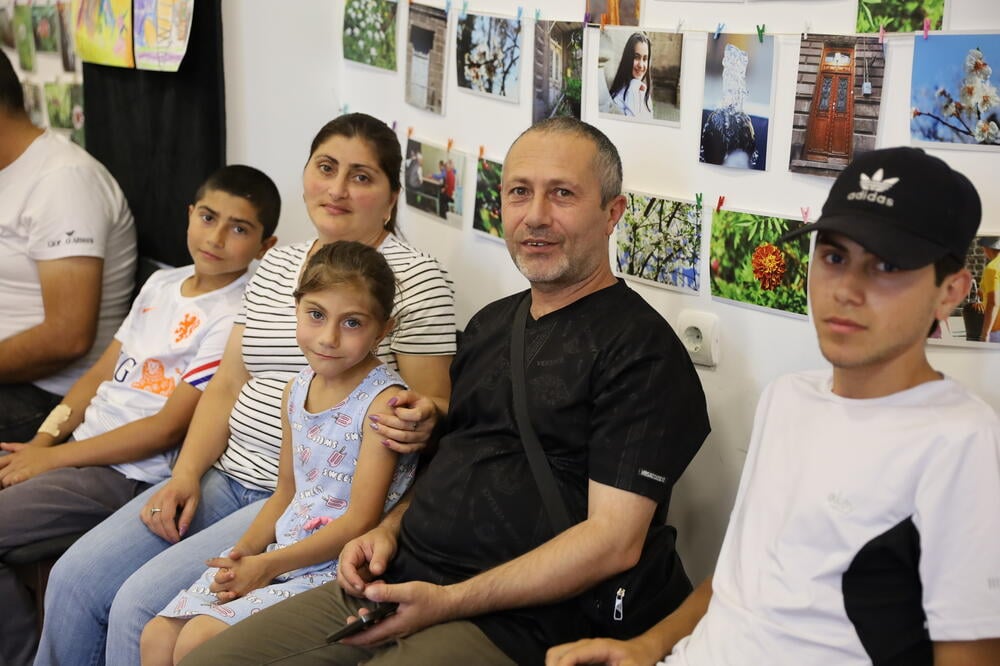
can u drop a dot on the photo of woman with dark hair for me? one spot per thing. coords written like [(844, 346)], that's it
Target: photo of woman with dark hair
[(631, 89)]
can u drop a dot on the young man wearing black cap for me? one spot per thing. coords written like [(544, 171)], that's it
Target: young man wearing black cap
[(865, 525)]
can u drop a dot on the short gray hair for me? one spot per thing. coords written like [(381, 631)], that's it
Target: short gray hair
[(607, 162)]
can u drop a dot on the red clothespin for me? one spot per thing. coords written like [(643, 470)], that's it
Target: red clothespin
[(451, 142), (881, 34), (697, 200), (760, 32), (409, 131), (927, 27), (718, 206), (805, 214)]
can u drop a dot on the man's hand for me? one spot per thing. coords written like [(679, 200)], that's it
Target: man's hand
[(364, 559), (160, 512), (421, 605), (603, 651), (238, 574), (408, 428), (24, 462)]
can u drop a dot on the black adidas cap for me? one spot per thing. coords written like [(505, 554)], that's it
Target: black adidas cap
[(902, 205)]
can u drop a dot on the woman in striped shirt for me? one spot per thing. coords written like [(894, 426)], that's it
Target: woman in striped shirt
[(120, 574)]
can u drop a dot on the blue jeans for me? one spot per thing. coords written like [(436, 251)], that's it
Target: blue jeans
[(110, 583)]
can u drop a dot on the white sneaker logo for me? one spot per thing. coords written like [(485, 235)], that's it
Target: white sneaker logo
[(872, 188)]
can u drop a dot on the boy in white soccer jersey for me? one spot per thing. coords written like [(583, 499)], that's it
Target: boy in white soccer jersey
[(865, 525), (128, 412)]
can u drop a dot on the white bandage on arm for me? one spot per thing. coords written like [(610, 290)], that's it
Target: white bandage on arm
[(58, 416)]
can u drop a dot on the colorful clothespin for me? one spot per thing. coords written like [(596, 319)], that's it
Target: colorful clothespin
[(719, 29), (680, 23), (482, 151), (760, 32), (393, 125), (805, 31), (520, 13), (343, 110), (409, 132), (586, 18), (451, 142), (538, 14), (927, 27), (465, 9), (718, 207), (805, 214), (447, 7), (604, 21), (697, 200), (881, 34)]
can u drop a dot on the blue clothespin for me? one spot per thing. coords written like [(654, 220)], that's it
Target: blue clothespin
[(538, 14), (760, 33), (719, 29), (447, 7), (520, 13), (343, 110), (465, 9)]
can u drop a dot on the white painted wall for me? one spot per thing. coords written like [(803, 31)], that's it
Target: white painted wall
[(285, 77)]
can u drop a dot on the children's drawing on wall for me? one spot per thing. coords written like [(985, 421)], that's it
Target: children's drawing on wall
[(59, 105), (7, 24), (486, 216), (954, 96), (162, 28), (659, 241), (558, 82), (24, 37), (977, 319), (488, 55), (66, 47), (638, 75), (435, 181), (45, 24), (426, 54), (34, 103), (616, 12), (837, 101), (103, 32), (899, 15), (748, 266), (370, 32), (736, 114)]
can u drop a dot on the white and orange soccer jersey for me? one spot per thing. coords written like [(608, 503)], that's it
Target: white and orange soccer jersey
[(166, 339)]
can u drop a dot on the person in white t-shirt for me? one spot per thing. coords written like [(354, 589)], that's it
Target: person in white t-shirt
[(67, 263), (127, 414), (865, 524)]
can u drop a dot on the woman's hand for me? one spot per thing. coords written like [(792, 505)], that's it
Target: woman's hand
[(408, 427)]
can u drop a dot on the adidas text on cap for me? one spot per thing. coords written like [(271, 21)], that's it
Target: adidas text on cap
[(902, 205)]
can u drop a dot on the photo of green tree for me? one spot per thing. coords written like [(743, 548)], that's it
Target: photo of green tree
[(659, 241), (899, 15), (748, 266)]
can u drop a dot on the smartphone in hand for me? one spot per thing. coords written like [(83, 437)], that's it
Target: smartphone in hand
[(373, 616)]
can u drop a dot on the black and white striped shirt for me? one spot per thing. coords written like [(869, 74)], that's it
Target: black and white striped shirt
[(425, 324)]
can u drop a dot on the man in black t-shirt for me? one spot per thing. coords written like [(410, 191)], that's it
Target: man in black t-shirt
[(473, 561)]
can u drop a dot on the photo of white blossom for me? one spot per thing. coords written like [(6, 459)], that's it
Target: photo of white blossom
[(488, 55), (658, 241), (954, 96), (370, 32)]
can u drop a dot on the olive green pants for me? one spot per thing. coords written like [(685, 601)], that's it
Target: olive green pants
[(294, 632)]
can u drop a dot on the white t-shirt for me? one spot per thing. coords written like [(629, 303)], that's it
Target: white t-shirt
[(831, 488), (166, 339), (632, 99), (57, 201)]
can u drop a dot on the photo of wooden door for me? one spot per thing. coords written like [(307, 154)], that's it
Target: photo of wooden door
[(830, 132), (555, 72)]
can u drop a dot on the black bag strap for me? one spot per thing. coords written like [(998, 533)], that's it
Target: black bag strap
[(540, 469)]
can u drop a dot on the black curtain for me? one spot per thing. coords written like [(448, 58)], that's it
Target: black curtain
[(161, 134)]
